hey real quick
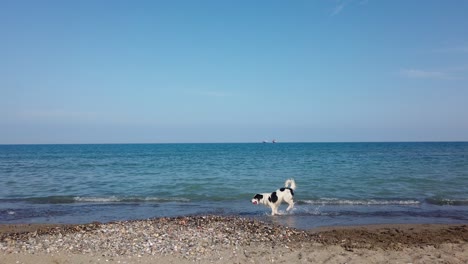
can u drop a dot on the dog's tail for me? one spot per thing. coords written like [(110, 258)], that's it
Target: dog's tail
[(290, 183)]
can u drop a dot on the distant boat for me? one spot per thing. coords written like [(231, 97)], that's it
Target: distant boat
[(266, 141), (273, 141)]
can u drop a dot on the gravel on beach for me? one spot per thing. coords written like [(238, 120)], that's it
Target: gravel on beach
[(189, 237), (193, 237)]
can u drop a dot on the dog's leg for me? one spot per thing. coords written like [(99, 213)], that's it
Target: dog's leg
[(274, 209), (291, 205)]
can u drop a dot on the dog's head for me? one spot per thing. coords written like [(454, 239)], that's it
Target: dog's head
[(257, 198)]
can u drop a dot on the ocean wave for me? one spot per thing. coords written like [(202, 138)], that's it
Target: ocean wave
[(336, 201), (98, 199), (50, 200), (446, 201), (114, 199)]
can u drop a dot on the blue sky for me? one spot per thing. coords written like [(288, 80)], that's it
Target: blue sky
[(233, 71)]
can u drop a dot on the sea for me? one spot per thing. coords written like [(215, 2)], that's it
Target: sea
[(338, 184)]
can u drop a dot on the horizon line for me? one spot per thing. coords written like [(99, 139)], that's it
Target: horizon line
[(246, 142)]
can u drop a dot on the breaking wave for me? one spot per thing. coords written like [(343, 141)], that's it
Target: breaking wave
[(445, 201), (370, 202), (96, 199)]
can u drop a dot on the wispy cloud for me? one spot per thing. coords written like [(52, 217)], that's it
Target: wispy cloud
[(56, 115), (342, 4), (447, 73), (338, 8), (416, 73), (425, 74), (212, 93), (455, 49)]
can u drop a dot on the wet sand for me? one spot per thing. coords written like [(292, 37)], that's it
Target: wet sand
[(216, 239)]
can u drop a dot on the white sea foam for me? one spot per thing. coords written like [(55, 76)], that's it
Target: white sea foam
[(115, 199), (336, 201)]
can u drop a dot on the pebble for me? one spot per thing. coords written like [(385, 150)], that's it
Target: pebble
[(190, 237)]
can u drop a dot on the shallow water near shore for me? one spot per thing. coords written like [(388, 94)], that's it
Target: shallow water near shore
[(338, 183)]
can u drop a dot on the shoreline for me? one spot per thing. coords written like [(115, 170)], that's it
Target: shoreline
[(230, 239)]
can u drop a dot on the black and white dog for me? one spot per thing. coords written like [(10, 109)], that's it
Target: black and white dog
[(275, 199)]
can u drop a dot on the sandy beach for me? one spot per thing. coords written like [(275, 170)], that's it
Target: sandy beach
[(216, 239)]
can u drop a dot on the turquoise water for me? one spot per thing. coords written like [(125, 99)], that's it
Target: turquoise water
[(338, 183)]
